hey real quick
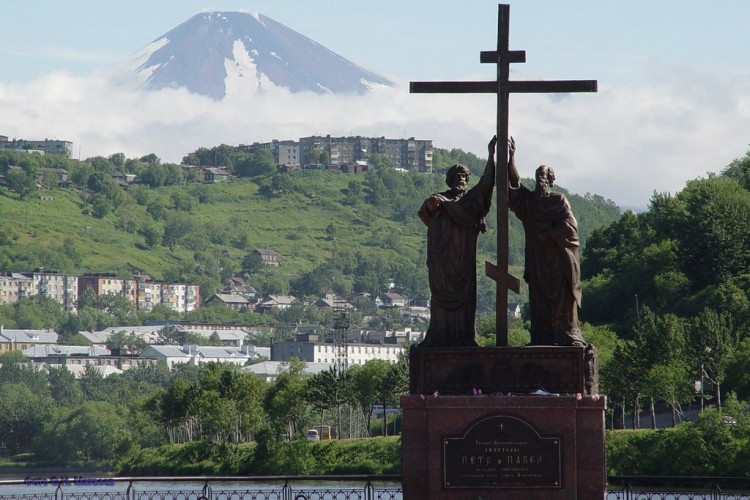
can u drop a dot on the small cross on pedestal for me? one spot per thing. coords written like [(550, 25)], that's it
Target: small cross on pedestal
[(503, 87)]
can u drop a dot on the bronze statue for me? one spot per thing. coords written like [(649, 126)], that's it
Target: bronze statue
[(454, 219), (552, 269)]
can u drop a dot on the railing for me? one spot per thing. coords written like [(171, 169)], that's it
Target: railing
[(677, 487), (331, 487)]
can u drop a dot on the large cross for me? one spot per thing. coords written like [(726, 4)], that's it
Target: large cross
[(503, 87)]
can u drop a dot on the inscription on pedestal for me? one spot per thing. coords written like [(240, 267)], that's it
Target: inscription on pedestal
[(502, 451)]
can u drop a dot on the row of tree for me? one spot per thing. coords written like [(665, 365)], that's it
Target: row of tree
[(64, 420)]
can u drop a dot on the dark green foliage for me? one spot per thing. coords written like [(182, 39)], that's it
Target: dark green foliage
[(707, 447)]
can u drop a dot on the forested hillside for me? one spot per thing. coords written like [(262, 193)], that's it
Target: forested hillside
[(354, 232), (674, 283)]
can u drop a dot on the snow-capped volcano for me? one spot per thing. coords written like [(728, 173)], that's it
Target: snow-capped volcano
[(218, 53)]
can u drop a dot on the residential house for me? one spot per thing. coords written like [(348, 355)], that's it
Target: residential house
[(267, 256), (275, 302), (390, 299), (216, 174), (237, 285), (123, 180), (56, 173), (232, 301)]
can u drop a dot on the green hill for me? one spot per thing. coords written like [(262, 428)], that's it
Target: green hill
[(355, 232)]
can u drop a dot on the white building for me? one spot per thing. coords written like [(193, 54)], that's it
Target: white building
[(307, 348), (196, 355)]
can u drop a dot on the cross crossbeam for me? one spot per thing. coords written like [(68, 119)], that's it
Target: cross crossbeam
[(503, 87)]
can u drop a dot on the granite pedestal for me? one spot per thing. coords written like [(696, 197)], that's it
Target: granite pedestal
[(501, 444)]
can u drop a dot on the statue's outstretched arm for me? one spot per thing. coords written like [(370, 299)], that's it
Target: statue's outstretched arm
[(514, 179)]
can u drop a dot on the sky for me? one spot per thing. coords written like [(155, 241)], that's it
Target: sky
[(673, 102)]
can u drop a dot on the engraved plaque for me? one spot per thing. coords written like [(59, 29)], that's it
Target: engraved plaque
[(502, 451)]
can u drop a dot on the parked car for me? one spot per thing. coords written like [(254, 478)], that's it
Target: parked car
[(312, 435)]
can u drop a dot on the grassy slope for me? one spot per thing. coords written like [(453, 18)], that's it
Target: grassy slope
[(294, 224)]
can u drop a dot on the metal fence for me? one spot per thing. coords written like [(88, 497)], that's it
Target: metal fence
[(349, 487), (677, 488)]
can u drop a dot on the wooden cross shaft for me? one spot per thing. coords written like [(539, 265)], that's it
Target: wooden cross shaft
[(503, 87)]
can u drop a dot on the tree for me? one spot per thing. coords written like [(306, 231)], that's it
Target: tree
[(168, 335), (93, 385), (177, 227), (63, 386), (93, 431), (255, 164), (394, 384), (712, 339), (366, 381), (330, 389), (659, 344), (20, 183), (22, 413), (739, 170), (127, 341), (252, 263), (714, 230), (284, 401)]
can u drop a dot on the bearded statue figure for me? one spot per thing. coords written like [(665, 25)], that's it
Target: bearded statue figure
[(552, 268), (454, 219)]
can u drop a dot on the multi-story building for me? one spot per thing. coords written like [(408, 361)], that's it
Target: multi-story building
[(14, 286), (62, 288), (142, 292), (51, 146), (177, 296), (284, 152), (408, 154), (108, 284)]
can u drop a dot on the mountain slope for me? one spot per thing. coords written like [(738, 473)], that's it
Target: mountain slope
[(217, 53)]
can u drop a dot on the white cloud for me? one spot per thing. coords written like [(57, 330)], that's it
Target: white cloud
[(622, 143)]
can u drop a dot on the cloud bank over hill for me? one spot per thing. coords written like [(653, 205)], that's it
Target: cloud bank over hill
[(622, 143)]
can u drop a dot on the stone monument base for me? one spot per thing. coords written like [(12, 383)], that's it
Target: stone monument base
[(495, 447)]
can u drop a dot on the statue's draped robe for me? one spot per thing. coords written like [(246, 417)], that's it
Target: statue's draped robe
[(552, 269), (452, 232)]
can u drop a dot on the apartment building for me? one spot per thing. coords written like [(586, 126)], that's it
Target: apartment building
[(49, 146), (284, 152), (408, 154)]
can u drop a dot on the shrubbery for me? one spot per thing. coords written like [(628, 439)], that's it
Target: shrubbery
[(379, 455), (710, 446)]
